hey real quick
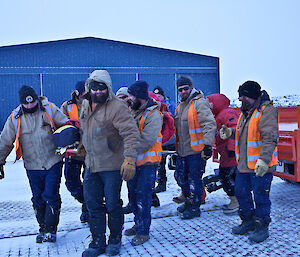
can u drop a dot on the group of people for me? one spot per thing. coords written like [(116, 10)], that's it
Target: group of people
[(122, 138)]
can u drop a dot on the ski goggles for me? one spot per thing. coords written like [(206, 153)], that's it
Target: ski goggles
[(94, 85), (186, 88)]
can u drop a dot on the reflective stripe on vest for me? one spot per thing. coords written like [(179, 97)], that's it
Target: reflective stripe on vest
[(17, 125), (254, 141), (73, 112), (195, 130), (153, 154)]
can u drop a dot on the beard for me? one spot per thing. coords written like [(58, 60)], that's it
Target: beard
[(99, 99), (246, 106), (31, 110), (136, 104), (184, 96)]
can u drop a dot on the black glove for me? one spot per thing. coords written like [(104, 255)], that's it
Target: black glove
[(231, 154), (206, 152), (1, 172)]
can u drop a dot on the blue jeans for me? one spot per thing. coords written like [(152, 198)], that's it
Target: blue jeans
[(188, 174), (140, 197), (45, 186), (97, 187), (72, 173), (244, 184)]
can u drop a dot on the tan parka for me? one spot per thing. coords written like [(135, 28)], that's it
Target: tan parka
[(35, 137), (109, 133), (268, 128), (206, 120)]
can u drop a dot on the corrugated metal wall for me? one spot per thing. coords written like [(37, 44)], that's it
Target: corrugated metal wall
[(53, 68)]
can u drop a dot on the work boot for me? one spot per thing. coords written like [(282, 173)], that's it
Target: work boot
[(127, 209), (261, 232), (130, 231), (114, 246), (139, 239), (49, 237), (155, 200), (51, 219), (84, 217), (179, 199), (96, 247), (190, 213), (245, 227), (232, 207)]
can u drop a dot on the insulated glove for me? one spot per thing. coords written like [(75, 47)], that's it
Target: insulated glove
[(128, 168), (261, 168), (1, 172), (206, 152), (225, 132), (231, 154)]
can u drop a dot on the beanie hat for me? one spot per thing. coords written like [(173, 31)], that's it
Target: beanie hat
[(27, 95), (250, 89), (184, 80), (122, 91), (139, 89), (159, 90), (79, 87)]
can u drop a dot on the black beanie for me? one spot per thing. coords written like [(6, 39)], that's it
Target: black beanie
[(27, 95), (80, 86), (183, 80), (250, 89), (139, 89), (159, 90)]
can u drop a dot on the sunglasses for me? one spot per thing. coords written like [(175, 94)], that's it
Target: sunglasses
[(97, 86), (186, 88), (123, 97)]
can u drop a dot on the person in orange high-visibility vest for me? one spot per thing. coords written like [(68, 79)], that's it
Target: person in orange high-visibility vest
[(149, 121), (195, 132), (31, 126), (256, 137), (74, 165)]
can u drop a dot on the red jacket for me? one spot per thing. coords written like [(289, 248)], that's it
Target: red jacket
[(227, 116)]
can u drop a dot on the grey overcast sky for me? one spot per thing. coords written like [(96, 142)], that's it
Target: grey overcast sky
[(254, 39)]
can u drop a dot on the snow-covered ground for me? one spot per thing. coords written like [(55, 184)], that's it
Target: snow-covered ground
[(208, 235)]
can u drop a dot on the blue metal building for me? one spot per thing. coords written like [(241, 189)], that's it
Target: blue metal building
[(54, 67)]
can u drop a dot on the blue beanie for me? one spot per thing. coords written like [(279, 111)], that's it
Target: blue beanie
[(139, 89), (80, 86)]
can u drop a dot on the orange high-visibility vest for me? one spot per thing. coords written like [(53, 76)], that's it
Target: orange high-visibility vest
[(253, 141), (195, 130), (73, 112), (17, 125), (153, 154)]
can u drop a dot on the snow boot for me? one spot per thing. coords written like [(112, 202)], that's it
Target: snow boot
[(155, 200), (161, 187), (232, 207), (49, 237), (130, 231), (139, 239), (127, 209), (190, 213), (261, 232), (40, 216), (40, 237), (84, 217), (179, 199), (114, 246), (93, 252), (245, 227), (51, 222), (181, 208)]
